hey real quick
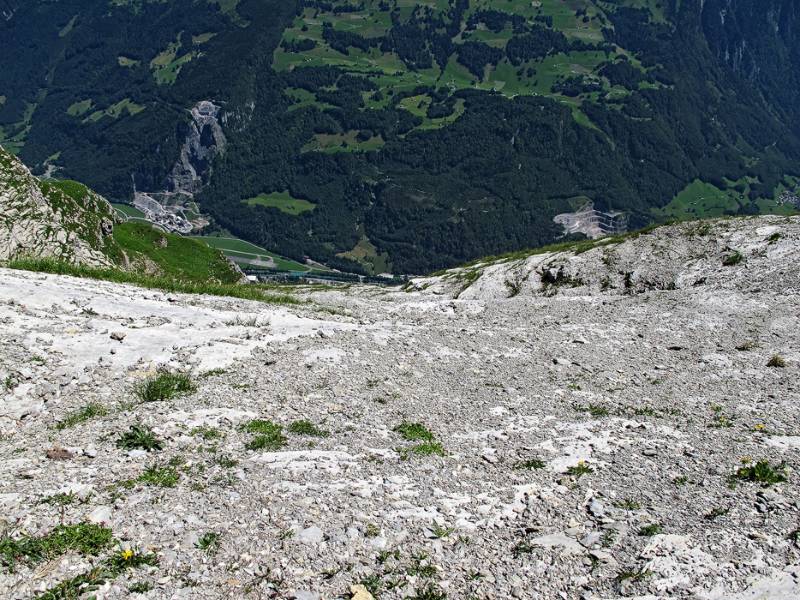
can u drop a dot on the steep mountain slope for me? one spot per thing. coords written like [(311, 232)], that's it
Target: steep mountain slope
[(67, 222), (386, 134), (572, 441), (59, 219)]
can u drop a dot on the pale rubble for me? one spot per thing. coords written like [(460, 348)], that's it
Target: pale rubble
[(654, 393)]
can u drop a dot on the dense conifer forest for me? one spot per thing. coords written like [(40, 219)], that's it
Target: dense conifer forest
[(421, 134)]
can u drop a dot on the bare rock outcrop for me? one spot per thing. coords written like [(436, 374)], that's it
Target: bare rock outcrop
[(675, 257), (63, 220)]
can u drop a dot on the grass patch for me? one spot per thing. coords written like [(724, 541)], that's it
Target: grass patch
[(629, 504), (88, 412), (283, 201), (305, 427), (165, 386), (417, 432), (596, 410), (164, 283), (423, 449), (429, 592), (413, 432), (734, 258), (268, 435), (650, 530), (761, 472), (166, 477), (139, 437), (84, 538), (90, 581), (639, 575), (207, 433), (60, 499)]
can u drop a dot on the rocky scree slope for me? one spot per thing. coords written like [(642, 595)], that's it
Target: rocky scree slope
[(575, 440), (63, 220)]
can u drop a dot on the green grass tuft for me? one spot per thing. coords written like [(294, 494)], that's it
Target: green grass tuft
[(414, 431), (650, 530), (268, 435), (167, 284), (423, 449), (166, 477), (90, 581), (529, 464), (305, 427), (90, 411), (165, 386), (139, 436), (208, 542), (579, 470), (84, 538)]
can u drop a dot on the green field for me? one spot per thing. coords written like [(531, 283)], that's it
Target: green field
[(341, 142), (168, 64), (243, 253), (701, 200), (114, 111), (367, 255), (283, 201), (128, 211), (392, 76)]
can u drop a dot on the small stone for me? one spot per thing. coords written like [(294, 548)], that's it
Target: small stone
[(59, 453), (118, 336), (311, 535), (597, 509), (360, 593), (100, 515)]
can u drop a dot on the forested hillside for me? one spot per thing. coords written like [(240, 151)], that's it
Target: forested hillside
[(411, 135)]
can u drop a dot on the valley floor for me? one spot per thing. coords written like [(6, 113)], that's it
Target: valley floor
[(585, 445)]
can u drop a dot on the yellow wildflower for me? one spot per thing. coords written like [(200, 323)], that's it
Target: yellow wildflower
[(127, 554)]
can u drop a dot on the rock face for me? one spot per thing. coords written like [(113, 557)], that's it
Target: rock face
[(574, 439), (693, 254), (204, 140), (52, 219)]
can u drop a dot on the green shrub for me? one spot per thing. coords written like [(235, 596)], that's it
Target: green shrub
[(761, 472)]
